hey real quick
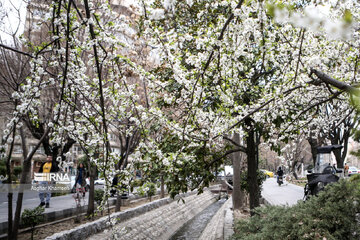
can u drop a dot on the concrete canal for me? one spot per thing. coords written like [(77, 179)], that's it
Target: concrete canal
[(194, 228)]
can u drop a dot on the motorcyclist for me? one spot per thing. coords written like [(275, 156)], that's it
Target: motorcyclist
[(279, 173)]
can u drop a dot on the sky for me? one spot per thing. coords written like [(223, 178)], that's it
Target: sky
[(9, 18), (10, 23)]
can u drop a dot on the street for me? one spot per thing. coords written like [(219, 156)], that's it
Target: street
[(27, 195), (31, 200), (286, 194)]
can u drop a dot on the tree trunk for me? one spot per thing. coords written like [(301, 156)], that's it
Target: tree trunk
[(25, 179), (10, 222), (315, 142), (252, 167), (118, 202), (91, 205), (293, 167), (25, 171), (340, 154), (9, 181), (313, 145), (162, 187), (238, 194)]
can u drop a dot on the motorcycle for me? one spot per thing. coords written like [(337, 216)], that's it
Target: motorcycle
[(280, 180), (317, 182), (323, 173)]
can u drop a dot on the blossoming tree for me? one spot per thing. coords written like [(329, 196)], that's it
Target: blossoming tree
[(252, 68), (242, 66)]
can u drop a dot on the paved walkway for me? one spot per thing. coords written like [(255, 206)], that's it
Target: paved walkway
[(160, 223), (60, 207), (56, 204), (286, 194)]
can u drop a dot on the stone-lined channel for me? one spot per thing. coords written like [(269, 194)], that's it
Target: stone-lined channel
[(193, 229)]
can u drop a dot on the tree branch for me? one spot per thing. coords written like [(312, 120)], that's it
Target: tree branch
[(15, 50), (225, 154), (336, 83), (242, 148)]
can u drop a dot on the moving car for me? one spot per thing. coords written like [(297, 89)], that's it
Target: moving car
[(267, 173), (353, 171)]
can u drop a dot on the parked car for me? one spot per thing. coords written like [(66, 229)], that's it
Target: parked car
[(99, 181), (267, 173), (353, 170)]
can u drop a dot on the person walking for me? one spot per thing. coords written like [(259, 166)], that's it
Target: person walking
[(80, 180), (346, 170), (114, 185), (45, 194), (279, 173)]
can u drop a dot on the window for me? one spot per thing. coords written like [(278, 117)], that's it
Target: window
[(115, 150), (112, 137), (40, 150), (18, 149), (76, 150)]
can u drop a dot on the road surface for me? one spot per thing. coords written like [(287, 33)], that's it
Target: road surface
[(287, 194)]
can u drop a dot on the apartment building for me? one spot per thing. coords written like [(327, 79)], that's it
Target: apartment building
[(37, 33)]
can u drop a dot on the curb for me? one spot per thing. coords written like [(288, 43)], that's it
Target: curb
[(220, 225), (91, 228), (53, 216), (61, 214)]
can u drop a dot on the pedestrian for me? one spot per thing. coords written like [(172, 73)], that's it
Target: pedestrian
[(346, 170), (45, 194), (279, 173), (334, 168), (114, 186), (80, 180)]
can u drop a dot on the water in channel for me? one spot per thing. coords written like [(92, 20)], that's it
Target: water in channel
[(193, 229)]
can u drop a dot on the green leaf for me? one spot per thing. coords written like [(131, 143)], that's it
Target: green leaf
[(348, 17)]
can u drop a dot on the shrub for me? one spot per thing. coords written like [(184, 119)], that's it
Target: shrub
[(261, 177), (17, 170), (148, 189), (2, 167), (136, 183), (334, 214), (98, 196), (32, 217)]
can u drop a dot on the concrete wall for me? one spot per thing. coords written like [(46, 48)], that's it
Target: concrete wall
[(156, 220), (220, 226)]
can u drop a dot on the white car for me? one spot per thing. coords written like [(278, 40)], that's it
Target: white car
[(99, 181), (353, 171)]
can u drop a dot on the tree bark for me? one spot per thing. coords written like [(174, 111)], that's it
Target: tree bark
[(252, 166), (9, 181), (91, 204), (293, 168), (340, 135), (118, 202), (338, 84), (23, 180), (162, 187), (238, 194), (315, 142)]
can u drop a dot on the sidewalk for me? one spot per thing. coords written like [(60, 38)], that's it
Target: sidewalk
[(60, 207), (56, 204), (286, 194)]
